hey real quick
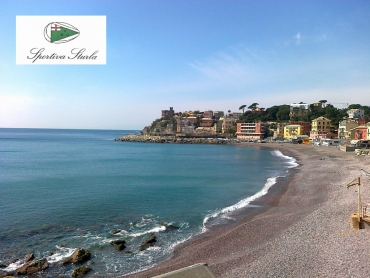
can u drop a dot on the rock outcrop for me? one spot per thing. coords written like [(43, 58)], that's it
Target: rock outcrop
[(148, 242), (170, 139), (79, 256), (32, 267), (118, 244), (80, 271)]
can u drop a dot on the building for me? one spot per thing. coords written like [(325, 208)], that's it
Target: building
[(191, 119), (185, 126), (344, 128), (280, 130), (293, 131), (204, 130), (258, 110), (206, 122), (251, 131), (218, 114), (356, 113), (236, 114), (360, 132), (298, 110), (218, 126), (320, 128), (227, 123), (305, 126), (168, 113), (208, 114)]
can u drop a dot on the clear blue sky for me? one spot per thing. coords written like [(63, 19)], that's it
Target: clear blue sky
[(191, 55)]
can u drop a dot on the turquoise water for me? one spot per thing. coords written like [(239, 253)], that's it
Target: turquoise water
[(63, 189)]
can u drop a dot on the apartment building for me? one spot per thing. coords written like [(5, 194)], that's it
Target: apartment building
[(293, 131), (355, 113), (344, 128), (251, 131), (298, 110), (320, 128)]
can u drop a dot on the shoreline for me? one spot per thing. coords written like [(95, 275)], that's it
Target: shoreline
[(302, 228)]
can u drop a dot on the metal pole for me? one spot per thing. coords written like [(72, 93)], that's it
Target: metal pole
[(359, 201)]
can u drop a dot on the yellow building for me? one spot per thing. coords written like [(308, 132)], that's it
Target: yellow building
[(292, 131), (320, 128)]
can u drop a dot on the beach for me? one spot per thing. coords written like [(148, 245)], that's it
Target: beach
[(301, 230)]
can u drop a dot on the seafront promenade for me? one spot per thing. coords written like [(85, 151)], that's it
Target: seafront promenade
[(301, 230)]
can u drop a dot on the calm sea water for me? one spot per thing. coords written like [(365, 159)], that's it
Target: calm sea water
[(63, 189)]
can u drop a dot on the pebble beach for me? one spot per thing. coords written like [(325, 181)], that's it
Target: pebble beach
[(301, 230)]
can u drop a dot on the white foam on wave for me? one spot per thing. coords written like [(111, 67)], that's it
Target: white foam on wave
[(154, 230), (63, 252), (291, 161), (241, 204), (14, 266)]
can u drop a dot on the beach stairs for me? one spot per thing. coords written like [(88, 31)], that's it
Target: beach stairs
[(194, 271)]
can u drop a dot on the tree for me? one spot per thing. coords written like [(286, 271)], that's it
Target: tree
[(242, 107), (323, 102), (283, 113), (229, 111), (253, 106)]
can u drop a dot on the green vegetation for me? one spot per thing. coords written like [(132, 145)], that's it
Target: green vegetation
[(280, 113)]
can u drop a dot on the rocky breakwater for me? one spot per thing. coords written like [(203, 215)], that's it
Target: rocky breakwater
[(170, 139)]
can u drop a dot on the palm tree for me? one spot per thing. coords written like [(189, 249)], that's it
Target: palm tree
[(242, 107)]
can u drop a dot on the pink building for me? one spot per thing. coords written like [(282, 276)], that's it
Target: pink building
[(251, 131), (360, 132), (206, 122)]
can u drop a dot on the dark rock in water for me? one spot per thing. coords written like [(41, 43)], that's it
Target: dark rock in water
[(80, 271), (32, 267), (2, 265), (79, 255), (118, 244), (115, 231), (148, 243), (29, 257)]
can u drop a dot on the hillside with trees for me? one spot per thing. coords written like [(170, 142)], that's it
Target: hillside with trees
[(280, 113)]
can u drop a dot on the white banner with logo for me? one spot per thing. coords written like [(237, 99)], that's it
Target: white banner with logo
[(61, 40)]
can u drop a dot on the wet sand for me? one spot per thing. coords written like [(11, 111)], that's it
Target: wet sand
[(302, 229)]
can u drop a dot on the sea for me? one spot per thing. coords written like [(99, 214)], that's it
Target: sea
[(65, 189)]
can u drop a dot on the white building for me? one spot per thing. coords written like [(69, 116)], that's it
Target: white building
[(355, 113)]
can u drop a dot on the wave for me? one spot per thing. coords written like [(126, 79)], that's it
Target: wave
[(241, 204), (290, 161), (154, 230), (63, 252), (14, 266)]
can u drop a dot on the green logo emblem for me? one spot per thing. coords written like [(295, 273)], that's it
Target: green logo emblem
[(60, 32)]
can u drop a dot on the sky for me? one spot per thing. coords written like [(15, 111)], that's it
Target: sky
[(189, 55)]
